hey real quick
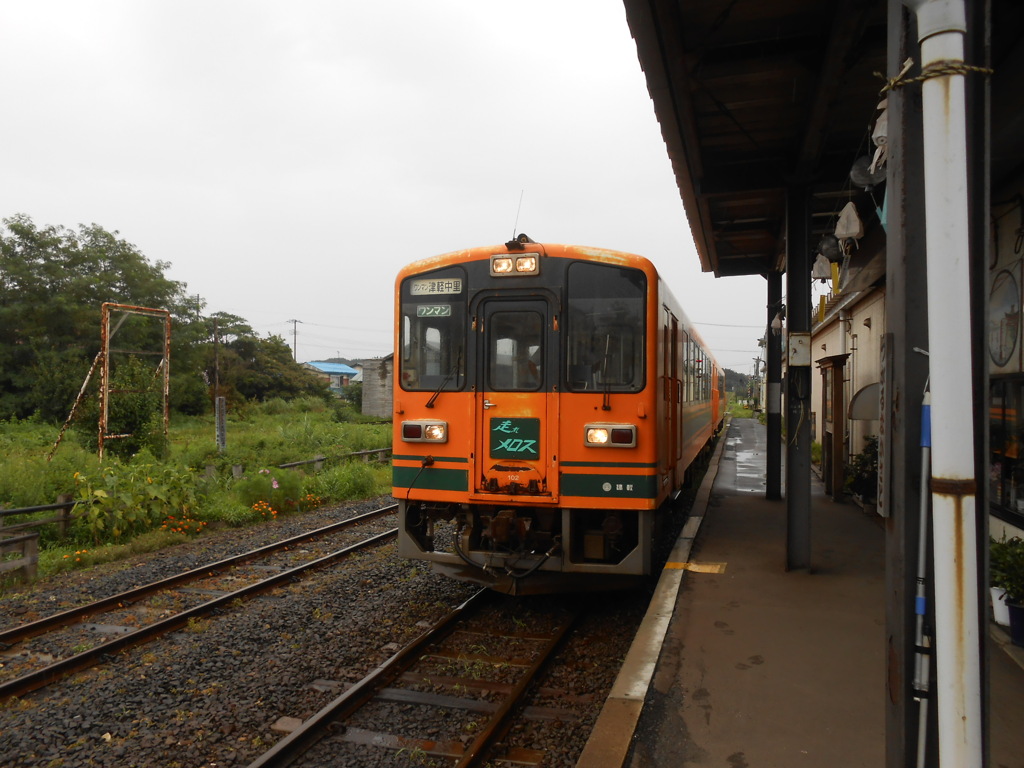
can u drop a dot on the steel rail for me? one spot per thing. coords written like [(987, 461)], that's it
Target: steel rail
[(13, 635), (499, 721), (53, 672), (295, 744)]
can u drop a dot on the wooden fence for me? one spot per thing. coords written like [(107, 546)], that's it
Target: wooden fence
[(26, 545), (373, 454)]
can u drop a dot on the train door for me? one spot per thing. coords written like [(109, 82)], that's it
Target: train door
[(516, 412)]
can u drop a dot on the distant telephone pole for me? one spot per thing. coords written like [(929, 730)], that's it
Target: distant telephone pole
[(216, 358), (295, 335)]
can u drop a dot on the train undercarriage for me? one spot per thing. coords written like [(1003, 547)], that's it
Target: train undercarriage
[(530, 549)]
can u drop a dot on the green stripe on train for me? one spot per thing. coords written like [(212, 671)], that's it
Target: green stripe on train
[(452, 459), (612, 464), (609, 486), (431, 478)]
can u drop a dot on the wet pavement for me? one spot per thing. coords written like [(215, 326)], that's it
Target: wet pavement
[(743, 460), (741, 664)]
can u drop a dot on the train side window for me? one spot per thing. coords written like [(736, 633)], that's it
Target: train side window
[(691, 373), (702, 379), (605, 329), (515, 351)]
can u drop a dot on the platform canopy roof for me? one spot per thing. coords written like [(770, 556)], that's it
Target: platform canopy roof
[(756, 97)]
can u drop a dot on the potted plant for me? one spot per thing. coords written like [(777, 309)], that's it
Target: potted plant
[(1006, 564), (862, 480)]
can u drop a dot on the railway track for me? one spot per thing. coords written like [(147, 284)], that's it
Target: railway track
[(131, 621), (462, 680)]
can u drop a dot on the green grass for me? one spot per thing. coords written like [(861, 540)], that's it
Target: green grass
[(738, 411), (138, 503)]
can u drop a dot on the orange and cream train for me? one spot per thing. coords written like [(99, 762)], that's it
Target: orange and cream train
[(548, 402)]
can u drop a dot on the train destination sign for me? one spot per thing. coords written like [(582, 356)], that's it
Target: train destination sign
[(433, 310), (436, 286)]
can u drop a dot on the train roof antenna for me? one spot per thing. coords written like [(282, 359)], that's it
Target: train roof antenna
[(515, 227)]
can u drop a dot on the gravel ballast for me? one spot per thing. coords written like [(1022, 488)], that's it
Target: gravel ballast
[(210, 695)]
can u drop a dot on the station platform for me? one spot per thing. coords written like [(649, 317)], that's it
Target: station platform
[(740, 663)]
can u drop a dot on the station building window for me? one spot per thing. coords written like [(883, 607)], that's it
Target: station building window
[(1006, 425)]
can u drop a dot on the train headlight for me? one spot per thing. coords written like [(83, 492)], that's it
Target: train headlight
[(524, 264), (527, 264), (425, 431), (610, 435), (437, 433)]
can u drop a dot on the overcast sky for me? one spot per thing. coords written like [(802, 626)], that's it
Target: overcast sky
[(287, 159)]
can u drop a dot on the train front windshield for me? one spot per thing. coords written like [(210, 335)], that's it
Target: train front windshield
[(602, 349), (434, 332), (604, 345)]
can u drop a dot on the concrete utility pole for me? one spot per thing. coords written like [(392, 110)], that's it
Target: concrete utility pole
[(798, 381), (216, 358), (295, 342), (757, 384)]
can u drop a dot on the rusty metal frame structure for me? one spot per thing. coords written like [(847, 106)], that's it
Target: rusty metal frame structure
[(164, 367), (103, 356)]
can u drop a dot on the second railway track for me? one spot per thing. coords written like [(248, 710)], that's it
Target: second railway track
[(131, 618)]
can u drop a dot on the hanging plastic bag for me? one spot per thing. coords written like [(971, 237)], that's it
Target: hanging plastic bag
[(849, 226), (822, 269), (880, 137)]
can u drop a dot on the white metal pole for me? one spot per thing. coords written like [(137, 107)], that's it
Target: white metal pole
[(941, 28)]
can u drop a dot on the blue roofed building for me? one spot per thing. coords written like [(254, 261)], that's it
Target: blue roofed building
[(337, 375)]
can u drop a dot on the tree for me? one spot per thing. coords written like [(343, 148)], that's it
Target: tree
[(261, 369), (53, 282), (354, 394), (736, 382)]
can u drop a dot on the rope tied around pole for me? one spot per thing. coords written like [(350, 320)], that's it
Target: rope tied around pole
[(935, 69)]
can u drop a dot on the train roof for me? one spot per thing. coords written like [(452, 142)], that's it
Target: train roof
[(523, 244), (551, 250)]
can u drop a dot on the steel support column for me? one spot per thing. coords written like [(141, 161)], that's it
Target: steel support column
[(798, 381), (773, 394), (906, 319)]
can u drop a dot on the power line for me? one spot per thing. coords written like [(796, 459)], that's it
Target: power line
[(727, 325), (347, 328)]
